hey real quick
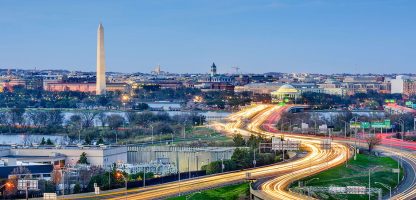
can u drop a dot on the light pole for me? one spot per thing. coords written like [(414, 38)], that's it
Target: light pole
[(119, 174), (355, 119), (345, 128), (385, 186), (402, 137), (306, 182), (144, 176), (314, 130), (151, 126), (369, 181)]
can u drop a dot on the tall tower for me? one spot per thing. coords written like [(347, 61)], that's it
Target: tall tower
[(213, 69), (100, 84)]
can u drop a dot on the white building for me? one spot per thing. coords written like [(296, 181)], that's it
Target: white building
[(397, 84), (103, 156)]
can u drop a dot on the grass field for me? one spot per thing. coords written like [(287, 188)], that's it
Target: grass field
[(199, 134), (356, 174), (232, 192)]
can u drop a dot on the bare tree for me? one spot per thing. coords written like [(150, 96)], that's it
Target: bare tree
[(115, 121), (372, 141), (17, 173), (88, 118), (56, 175), (102, 117), (55, 118)]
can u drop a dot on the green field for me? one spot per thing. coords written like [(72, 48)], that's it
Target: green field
[(197, 135), (356, 174), (232, 192)]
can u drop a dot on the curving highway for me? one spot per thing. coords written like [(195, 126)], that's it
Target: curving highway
[(256, 120)]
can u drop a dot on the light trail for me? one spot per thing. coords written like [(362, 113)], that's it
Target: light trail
[(322, 159), (315, 161)]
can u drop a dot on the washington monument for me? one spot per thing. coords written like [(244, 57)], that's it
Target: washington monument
[(100, 85)]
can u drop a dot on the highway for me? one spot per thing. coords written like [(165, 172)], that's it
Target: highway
[(251, 117), (398, 149), (255, 120), (276, 188)]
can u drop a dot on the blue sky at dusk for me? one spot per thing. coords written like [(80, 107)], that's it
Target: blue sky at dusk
[(316, 36)]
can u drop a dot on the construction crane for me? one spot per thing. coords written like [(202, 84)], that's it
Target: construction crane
[(236, 69)]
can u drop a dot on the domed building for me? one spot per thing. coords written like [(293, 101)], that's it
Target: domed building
[(286, 93)]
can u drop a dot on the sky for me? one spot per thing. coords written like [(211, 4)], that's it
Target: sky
[(316, 36)]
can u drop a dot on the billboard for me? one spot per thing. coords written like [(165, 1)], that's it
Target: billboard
[(279, 145)]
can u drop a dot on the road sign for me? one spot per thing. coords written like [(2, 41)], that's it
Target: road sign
[(396, 170), (355, 125), (326, 143), (377, 125), (287, 145), (365, 125)]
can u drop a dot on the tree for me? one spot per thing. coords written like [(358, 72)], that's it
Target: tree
[(83, 159), (88, 117), (252, 141), (238, 140), (102, 117), (16, 174), (242, 158), (115, 121), (43, 142), (100, 141), (55, 118), (49, 142), (77, 188), (56, 175), (17, 115), (372, 140), (87, 140)]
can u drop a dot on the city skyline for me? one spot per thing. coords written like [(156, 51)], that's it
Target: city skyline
[(268, 36)]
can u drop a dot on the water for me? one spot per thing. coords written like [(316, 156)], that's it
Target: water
[(27, 139)]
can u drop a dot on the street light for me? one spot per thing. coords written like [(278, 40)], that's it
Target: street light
[(7, 185), (345, 128), (310, 180), (402, 136), (314, 130), (306, 182), (369, 181), (355, 119), (119, 175), (385, 186), (151, 126)]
